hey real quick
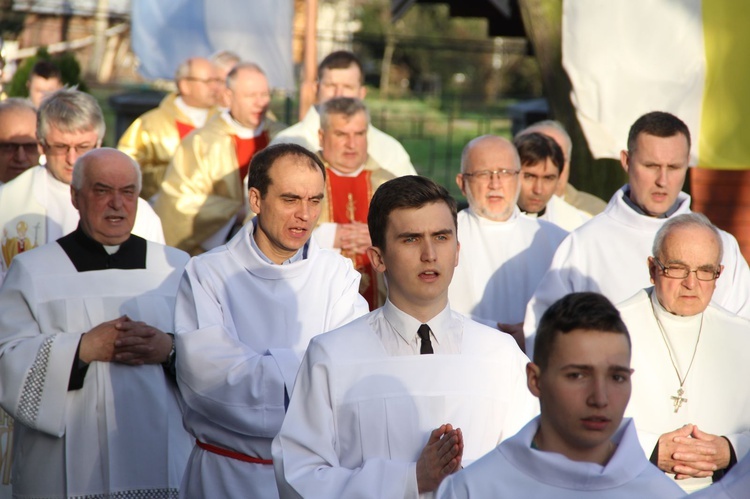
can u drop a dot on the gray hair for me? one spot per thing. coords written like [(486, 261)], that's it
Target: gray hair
[(70, 111), (687, 220), (241, 66), (82, 163), (555, 125), (183, 70), (346, 106), (225, 59), (16, 104), (475, 141)]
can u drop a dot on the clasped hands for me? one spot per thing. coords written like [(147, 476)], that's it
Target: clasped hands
[(353, 237), (690, 453), (125, 341)]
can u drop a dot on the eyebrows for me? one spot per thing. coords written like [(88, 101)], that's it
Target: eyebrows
[(676, 261), (441, 232), (102, 185), (291, 196), (587, 367)]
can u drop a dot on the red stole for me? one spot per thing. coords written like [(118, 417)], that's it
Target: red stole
[(184, 128), (349, 201), (246, 148)]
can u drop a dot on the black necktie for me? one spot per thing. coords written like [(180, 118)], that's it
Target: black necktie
[(424, 335)]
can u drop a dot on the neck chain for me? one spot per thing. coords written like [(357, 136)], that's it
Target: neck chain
[(678, 400)]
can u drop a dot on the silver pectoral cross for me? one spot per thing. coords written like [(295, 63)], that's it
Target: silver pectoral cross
[(678, 400)]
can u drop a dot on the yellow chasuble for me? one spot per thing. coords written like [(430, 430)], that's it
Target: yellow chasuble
[(202, 189), (153, 138), (347, 200)]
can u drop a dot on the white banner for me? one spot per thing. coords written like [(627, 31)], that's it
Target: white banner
[(165, 33)]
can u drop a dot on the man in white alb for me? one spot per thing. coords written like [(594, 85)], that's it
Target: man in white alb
[(86, 361), (542, 164), (35, 208), (245, 313), (393, 402), (579, 446), (692, 420), (503, 253), (606, 254), (340, 74)]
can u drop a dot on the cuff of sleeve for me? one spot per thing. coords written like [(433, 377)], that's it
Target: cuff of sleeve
[(78, 370)]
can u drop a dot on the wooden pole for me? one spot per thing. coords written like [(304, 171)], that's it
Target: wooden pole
[(307, 90)]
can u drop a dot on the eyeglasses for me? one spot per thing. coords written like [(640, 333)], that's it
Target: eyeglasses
[(30, 148), (682, 271), (64, 149), (207, 81), (486, 175)]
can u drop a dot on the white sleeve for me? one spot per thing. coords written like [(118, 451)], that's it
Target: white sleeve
[(305, 453), (558, 281), (221, 377), (35, 365)]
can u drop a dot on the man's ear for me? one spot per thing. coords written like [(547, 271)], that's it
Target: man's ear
[(624, 161), (375, 255), (460, 183), (652, 269), (74, 197), (253, 197), (533, 373)]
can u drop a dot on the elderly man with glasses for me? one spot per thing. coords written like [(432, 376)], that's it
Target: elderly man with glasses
[(692, 420), (154, 136), (35, 208), (18, 146), (505, 254)]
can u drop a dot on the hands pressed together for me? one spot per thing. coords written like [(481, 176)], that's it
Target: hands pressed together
[(125, 341), (440, 457)]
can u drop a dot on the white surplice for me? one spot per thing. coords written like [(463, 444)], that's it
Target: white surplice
[(565, 215), (500, 265), (734, 485), (121, 433), (384, 149), (609, 255), (515, 469), (43, 203), (242, 327), (716, 403), (363, 408)]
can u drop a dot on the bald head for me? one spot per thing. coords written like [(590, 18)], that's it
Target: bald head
[(101, 157), (105, 188), (489, 176), (249, 94), (198, 82)]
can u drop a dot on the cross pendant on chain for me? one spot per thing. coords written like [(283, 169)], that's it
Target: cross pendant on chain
[(678, 400)]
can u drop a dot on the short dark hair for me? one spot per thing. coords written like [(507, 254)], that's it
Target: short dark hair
[(45, 69), (262, 161), (658, 124), (587, 311), (536, 147), (341, 59), (410, 191)]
